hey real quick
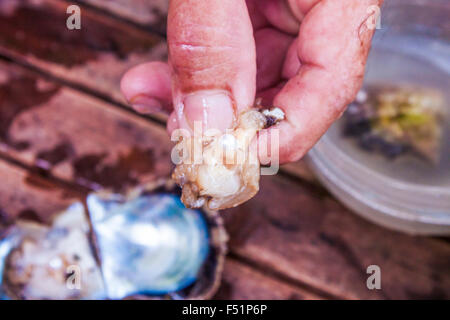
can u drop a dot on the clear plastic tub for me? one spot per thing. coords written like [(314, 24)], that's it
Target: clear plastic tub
[(412, 47)]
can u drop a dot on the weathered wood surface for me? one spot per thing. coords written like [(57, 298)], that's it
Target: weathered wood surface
[(75, 136), (151, 14), (296, 230), (300, 169), (243, 282), (304, 234), (27, 195), (94, 57)]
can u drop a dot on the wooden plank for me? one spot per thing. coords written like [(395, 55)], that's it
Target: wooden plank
[(77, 137), (94, 57), (313, 240), (301, 170), (241, 282), (151, 14), (29, 196)]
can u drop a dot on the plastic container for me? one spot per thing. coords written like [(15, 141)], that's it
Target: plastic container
[(412, 47)]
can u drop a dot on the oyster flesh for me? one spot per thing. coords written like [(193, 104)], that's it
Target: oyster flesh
[(41, 262), (220, 170)]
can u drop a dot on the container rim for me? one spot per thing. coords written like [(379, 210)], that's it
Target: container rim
[(379, 189)]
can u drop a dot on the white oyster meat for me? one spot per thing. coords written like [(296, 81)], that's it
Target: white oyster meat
[(220, 170), (52, 262)]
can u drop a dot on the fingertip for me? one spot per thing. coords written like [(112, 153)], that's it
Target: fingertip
[(212, 48), (147, 87), (282, 143), (141, 78), (208, 109)]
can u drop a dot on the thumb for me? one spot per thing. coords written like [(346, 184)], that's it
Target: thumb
[(213, 61)]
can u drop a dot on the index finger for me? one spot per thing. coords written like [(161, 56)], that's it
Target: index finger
[(212, 57), (333, 44)]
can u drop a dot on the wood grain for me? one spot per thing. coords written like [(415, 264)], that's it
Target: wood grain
[(94, 57), (300, 169), (29, 196), (310, 238), (241, 282), (75, 136), (148, 13)]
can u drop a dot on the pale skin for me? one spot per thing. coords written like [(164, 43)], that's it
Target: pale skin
[(306, 57)]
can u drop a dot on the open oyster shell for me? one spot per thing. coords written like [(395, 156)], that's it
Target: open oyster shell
[(220, 170), (151, 246), (143, 245), (50, 262)]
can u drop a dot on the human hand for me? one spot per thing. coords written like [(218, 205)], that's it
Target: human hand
[(306, 57)]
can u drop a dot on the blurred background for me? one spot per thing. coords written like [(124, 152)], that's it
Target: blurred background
[(374, 191)]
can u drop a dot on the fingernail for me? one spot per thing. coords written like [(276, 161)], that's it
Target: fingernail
[(145, 104), (214, 109)]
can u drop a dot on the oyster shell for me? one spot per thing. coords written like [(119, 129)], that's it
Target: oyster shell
[(42, 262), (220, 170), (148, 244)]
